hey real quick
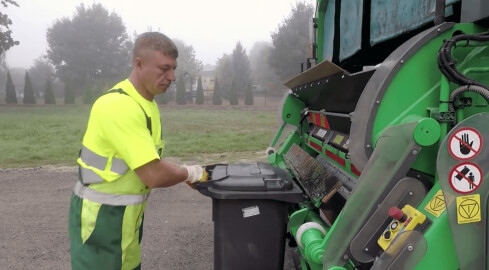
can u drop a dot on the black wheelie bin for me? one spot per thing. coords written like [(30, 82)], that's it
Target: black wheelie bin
[(250, 204)]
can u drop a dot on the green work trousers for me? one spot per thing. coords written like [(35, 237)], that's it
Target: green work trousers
[(105, 236)]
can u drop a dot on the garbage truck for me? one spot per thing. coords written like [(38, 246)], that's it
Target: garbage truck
[(382, 154)]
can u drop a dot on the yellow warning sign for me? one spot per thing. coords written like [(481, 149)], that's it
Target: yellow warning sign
[(437, 204), (469, 209)]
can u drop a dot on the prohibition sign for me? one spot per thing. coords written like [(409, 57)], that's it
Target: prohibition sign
[(465, 178), (465, 143)]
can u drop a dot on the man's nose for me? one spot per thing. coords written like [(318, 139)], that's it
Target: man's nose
[(171, 75)]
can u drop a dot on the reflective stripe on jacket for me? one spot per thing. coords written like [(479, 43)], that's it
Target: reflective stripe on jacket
[(85, 192)]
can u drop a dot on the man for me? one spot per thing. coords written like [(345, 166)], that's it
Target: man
[(120, 162)]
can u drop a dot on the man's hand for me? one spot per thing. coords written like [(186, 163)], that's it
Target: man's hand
[(195, 173)]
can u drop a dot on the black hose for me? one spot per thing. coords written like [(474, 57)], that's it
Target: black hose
[(447, 64), (467, 88)]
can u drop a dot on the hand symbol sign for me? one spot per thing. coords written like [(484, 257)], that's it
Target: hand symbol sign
[(464, 146)]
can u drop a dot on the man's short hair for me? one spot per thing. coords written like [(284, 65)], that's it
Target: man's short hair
[(155, 41)]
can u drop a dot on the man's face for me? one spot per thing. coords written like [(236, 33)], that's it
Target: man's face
[(156, 72)]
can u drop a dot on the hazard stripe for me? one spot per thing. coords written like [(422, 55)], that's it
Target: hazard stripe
[(318, 120), (316, 146), (334, 157), (326, 123), (354, 170)]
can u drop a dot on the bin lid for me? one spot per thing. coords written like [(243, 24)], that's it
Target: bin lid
[(249, 181), (249, 176)]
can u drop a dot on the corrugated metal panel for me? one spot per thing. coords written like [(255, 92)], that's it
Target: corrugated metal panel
[(474, 10), (350, 27), (329, 30), (391, 18)]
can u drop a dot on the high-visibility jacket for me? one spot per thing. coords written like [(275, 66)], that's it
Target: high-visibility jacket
[(123, 133)]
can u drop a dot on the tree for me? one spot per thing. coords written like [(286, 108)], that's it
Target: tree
[(200, 92), (289, 42), (261, 72), (48, 93), (3, 72), (163, 98), (10, 94), (233, 95), (216, 97), (41, 70), (181, 95), (92, 48), (88, 98), (188, 65), (241, 69), (6, 40), (69, 93), (28, 91), (224, 72), (249, 95)]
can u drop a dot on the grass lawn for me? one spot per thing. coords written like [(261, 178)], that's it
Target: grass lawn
[(52, 135)]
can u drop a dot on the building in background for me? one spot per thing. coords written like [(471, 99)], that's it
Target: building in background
[(208, 82)]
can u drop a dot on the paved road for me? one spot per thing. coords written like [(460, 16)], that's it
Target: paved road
[(34, 203)]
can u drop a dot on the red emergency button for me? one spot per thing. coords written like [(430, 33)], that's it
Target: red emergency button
[(397, 213)]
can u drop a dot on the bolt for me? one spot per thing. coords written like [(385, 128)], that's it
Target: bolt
[(366, 249), (402, 61), (411, 193), (378, 101), (438, 30), (415, 152), (345, 257), (342, 76), (410, 248), (368, 145)]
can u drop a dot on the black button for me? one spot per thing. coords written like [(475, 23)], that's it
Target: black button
[(387, 235)]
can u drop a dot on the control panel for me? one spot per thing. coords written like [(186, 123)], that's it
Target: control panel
[(407, 219)]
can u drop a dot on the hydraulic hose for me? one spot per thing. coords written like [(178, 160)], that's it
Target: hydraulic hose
[(446, 63), (467, 88)]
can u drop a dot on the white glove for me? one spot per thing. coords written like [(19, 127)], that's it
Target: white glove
[(195, 173)]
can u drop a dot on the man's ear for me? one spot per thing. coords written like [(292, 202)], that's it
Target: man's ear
[(138, 63)]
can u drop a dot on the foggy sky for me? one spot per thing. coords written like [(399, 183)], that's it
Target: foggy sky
[(212, 27)]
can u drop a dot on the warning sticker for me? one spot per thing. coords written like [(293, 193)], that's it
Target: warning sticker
[(437, 204), (465, 143), (468, 209), (465, 178)]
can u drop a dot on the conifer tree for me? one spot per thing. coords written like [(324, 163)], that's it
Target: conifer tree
[(49, 94), (163, 98), (200, 92), (233, 94), (69, 95), (28, 91), (216, 97), (87, 97), (11, 95), (249, 95), (181, 95)]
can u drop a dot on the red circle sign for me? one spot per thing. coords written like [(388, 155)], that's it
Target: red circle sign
[(465, 178), (465, 143)]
